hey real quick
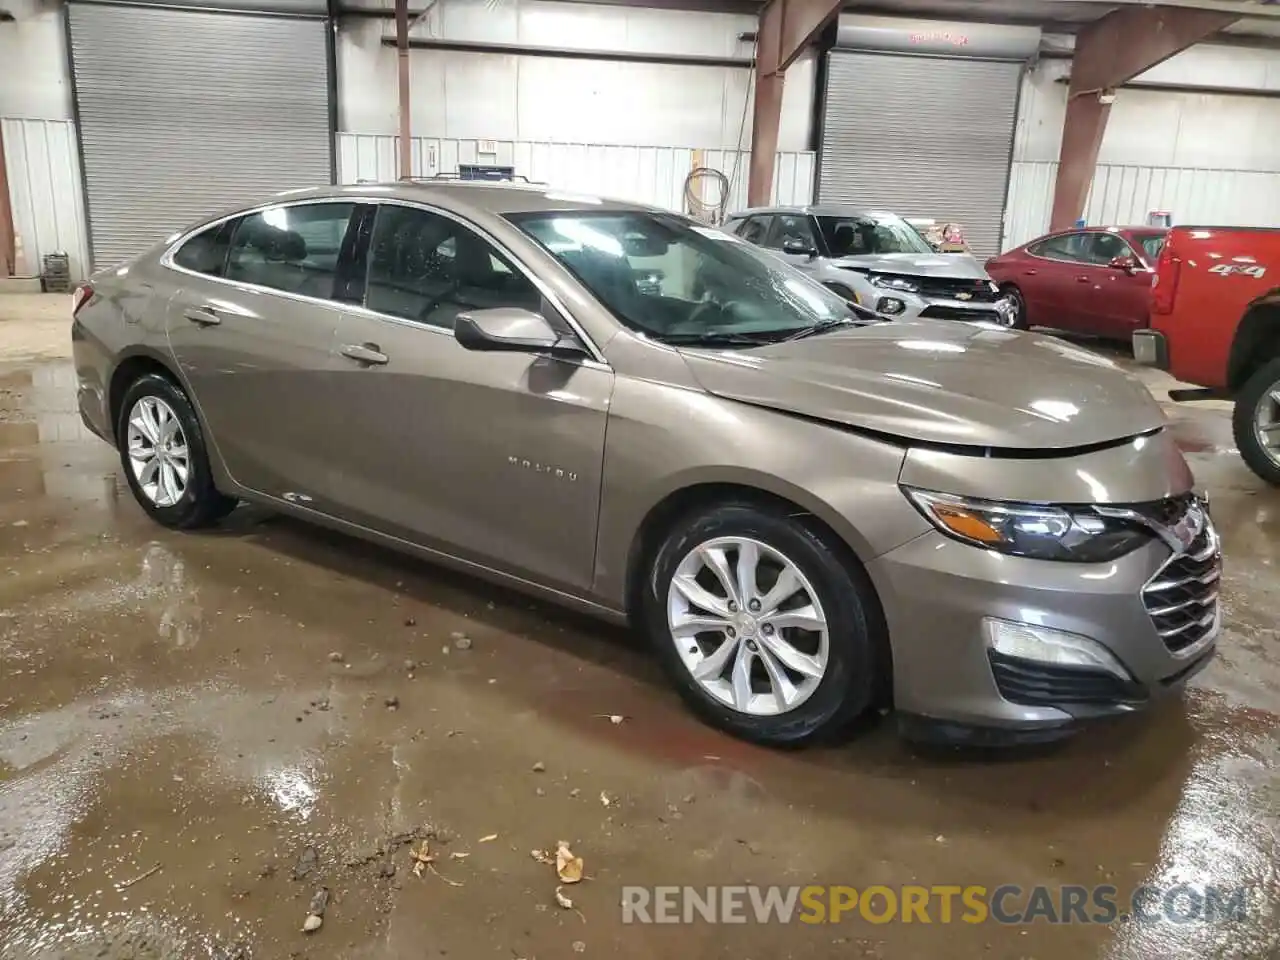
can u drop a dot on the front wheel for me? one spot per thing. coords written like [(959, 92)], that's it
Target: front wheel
[(1255, 422), (766, 628)]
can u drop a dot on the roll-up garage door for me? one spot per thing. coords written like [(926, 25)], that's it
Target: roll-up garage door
[(921, 136), (184, 112)]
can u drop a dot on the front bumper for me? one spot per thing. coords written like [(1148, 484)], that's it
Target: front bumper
[(937, 592), (1151, 349), (915, 306)]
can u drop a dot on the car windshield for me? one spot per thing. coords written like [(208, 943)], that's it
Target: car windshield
[(1152, 243), (680, 282), (865, 234)]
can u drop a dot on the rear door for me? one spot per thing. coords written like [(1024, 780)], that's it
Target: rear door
[(252, 328), (492, 456), (1050, 281)]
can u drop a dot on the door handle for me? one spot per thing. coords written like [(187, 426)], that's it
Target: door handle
[(1082, 279), (1028, 273), (366, 353), (204, 316)]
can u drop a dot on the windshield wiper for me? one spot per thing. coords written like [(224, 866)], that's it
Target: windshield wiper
[(824, 326), (719, 339)]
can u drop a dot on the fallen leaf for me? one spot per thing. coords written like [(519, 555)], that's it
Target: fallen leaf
[(564, 901), (421, 858), (542, 856), (568, 867), (606, 800), (458, 855), (492, 836)]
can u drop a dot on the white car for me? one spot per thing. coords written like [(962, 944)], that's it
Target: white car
[(877, 260)]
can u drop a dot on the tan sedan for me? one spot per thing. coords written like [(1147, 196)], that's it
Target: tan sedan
[(809, 512)]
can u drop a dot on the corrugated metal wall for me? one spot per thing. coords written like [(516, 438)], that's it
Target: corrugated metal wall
[(1123, 194), (44, 187), (654, 175)]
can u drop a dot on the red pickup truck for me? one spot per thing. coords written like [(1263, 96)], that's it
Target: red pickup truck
[(1215, 322)]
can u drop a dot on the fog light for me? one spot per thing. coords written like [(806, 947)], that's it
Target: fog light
[(891, 306), (1028, 641)]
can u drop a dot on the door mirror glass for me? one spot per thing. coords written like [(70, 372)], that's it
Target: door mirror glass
[(514, 330), (798, 248), (1126, 263)]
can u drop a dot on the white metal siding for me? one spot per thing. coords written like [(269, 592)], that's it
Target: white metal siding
[(654, 175), (44, 188), (921, 136), (183, 112), (1124, 194)]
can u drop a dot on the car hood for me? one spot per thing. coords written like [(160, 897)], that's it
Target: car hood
[(959, 266), (934, 382)]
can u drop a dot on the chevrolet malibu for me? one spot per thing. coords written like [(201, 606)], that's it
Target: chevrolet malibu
[(808, 512)]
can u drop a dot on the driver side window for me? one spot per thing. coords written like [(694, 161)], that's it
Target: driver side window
[(429, 268), (789, 228)]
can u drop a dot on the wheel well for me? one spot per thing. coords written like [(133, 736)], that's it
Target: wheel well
[(130, 370), (1257, 341), (648, 540)]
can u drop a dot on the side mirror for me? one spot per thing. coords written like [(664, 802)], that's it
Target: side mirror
[(512, 330), (1126, 263), (799, 248)]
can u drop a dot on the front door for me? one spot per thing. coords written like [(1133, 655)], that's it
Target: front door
[(1121, 298), (789, 228), (1053, 283), (252, 328), (493, 456)]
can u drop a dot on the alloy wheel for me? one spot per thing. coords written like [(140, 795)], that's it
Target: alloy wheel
[(158, 453), (1266, 422), (748, 625)]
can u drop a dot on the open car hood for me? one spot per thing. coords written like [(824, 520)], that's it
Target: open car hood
[(959, 266)]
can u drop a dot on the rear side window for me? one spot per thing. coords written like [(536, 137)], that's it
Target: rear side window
[(1067, 246), (206, 252), (291, 249)]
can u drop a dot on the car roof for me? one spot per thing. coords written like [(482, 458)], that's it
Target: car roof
[(816, 210), (490, 197)]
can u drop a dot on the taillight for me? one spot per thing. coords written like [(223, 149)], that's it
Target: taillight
[(1164, 284), (83, 294)]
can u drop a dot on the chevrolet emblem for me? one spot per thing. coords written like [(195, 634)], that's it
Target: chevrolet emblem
[(964, 295)]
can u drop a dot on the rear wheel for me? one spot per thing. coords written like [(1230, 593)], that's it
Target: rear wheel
[(1255, 422), (765, 627), (1019, 305), (164, 456)]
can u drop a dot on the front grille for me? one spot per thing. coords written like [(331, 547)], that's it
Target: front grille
[(1182, 598), (942, 288), (958, 313), (1032, 684)]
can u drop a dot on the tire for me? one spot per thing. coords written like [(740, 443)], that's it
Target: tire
[(199, 503), (1252, 396), (855, 665), (1011, 291)]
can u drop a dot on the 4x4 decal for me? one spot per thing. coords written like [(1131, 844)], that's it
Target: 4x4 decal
[(1245, 269)]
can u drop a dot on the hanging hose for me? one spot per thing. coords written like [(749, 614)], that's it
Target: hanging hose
[(710, 212)]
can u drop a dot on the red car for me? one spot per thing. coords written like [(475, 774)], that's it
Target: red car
[(1094, 280)]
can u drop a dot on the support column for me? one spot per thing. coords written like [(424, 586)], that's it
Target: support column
[(402, 56), (786, 28), (8, 242), (1109, 52)]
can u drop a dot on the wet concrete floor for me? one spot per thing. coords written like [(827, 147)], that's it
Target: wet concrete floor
[(195, 736)]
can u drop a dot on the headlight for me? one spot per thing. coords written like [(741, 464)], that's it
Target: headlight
[(1042, 532), (890, 282), (991, 284)]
